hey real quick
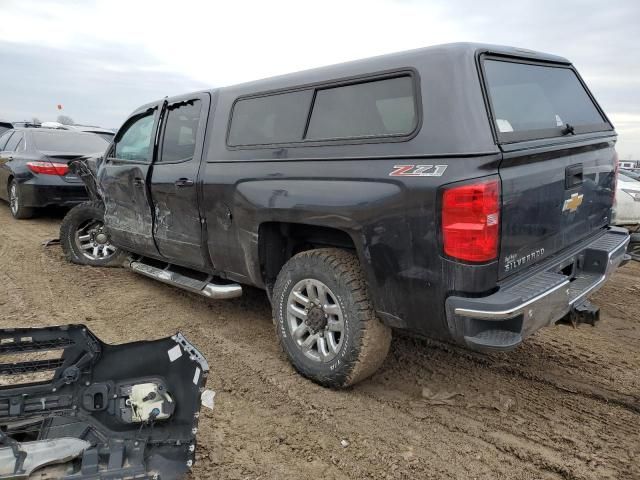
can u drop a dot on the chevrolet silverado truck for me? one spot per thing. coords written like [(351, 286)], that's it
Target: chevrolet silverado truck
[(462, 192)]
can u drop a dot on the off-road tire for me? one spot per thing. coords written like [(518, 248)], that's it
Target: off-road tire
[(19, 212), (366, 338), (72, 221)]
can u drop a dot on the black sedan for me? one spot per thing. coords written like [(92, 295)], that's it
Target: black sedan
[(34, 168)]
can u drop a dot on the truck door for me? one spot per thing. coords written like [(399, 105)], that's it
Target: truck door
[(123, 180), (174, 180)]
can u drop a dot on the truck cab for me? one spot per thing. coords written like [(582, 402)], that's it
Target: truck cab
[(461, 192)]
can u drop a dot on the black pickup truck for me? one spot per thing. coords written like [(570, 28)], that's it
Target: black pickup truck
[(462, 192)]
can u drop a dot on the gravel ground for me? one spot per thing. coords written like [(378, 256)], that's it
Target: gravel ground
[(564, 405)]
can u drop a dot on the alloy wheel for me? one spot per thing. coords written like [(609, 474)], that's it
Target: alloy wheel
[(13, 199), (93, 241), (315, 320)]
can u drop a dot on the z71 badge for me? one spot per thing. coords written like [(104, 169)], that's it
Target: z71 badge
[(418, 170)]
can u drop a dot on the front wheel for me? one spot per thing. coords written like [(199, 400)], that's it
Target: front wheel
[(325, 321), (84, 239)]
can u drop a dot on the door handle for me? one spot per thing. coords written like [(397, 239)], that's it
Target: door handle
[(138, 182), (573, 176), (183, 182)]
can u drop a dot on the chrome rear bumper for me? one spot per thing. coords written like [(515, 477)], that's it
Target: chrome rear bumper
[(530, 301)]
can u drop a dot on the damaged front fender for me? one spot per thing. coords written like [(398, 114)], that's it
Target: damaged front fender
[(86, 169), (89, 410)]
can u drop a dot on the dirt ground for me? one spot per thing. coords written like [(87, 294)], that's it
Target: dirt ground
[(564, 405)]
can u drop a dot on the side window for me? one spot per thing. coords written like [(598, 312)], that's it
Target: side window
[(4, 139), (13, 142), (180, 130), (135, 142), (371, 109), (277, 118)]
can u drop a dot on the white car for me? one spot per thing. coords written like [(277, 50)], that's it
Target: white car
[(627, 205), (626, 210), (102, 132)]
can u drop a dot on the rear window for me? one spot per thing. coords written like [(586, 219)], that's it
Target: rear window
[(107, 136), (377, 108), (13, 142), (69, 142), (4, 139), (531, 101)]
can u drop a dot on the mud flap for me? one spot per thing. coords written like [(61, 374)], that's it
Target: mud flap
[(97, 411)]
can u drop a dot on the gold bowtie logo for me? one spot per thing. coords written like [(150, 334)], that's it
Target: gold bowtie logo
[(572, 203)]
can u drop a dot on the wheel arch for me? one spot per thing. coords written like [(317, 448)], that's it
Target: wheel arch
[(279, 241)]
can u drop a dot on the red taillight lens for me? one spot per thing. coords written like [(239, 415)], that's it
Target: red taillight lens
[(471, 221), (48, 168)]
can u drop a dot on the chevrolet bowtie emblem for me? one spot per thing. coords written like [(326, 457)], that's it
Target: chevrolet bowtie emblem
[(572, 203)]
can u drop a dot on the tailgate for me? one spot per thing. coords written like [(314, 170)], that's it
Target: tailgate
[(559, 161), (550, 203)]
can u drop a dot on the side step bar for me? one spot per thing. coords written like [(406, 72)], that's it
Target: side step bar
[(202, 287)]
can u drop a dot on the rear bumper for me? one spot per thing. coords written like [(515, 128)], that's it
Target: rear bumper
[(54, 193), (533, 300)]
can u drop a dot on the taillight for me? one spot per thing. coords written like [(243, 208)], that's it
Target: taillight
[(48, 168), (471, 221)]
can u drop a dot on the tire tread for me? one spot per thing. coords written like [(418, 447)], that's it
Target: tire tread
[(67, 237), (373, 339)]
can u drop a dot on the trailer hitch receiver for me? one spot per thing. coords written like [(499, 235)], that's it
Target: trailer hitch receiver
[(585, 312)]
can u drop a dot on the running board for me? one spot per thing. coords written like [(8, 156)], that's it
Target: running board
[(201, 287)]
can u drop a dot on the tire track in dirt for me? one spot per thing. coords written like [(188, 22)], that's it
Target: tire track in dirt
[(305, 395), (566, 419), (539, 372)]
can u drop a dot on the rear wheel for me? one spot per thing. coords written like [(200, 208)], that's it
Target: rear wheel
[(16, 202), (325, 321), (84, 239)]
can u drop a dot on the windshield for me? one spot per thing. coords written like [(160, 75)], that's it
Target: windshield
[(532, 101), (69, 142)]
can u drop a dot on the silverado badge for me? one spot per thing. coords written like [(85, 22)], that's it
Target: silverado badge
[(572, 203)]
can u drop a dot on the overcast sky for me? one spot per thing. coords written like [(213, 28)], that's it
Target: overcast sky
[(101, 59)]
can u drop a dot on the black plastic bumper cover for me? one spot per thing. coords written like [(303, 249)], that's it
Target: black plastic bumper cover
[(85, 409)]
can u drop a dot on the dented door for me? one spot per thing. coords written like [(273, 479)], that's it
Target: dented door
[(174, 185), (123, 179)]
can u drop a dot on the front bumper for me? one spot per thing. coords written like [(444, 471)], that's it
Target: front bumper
[(532, 300)]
